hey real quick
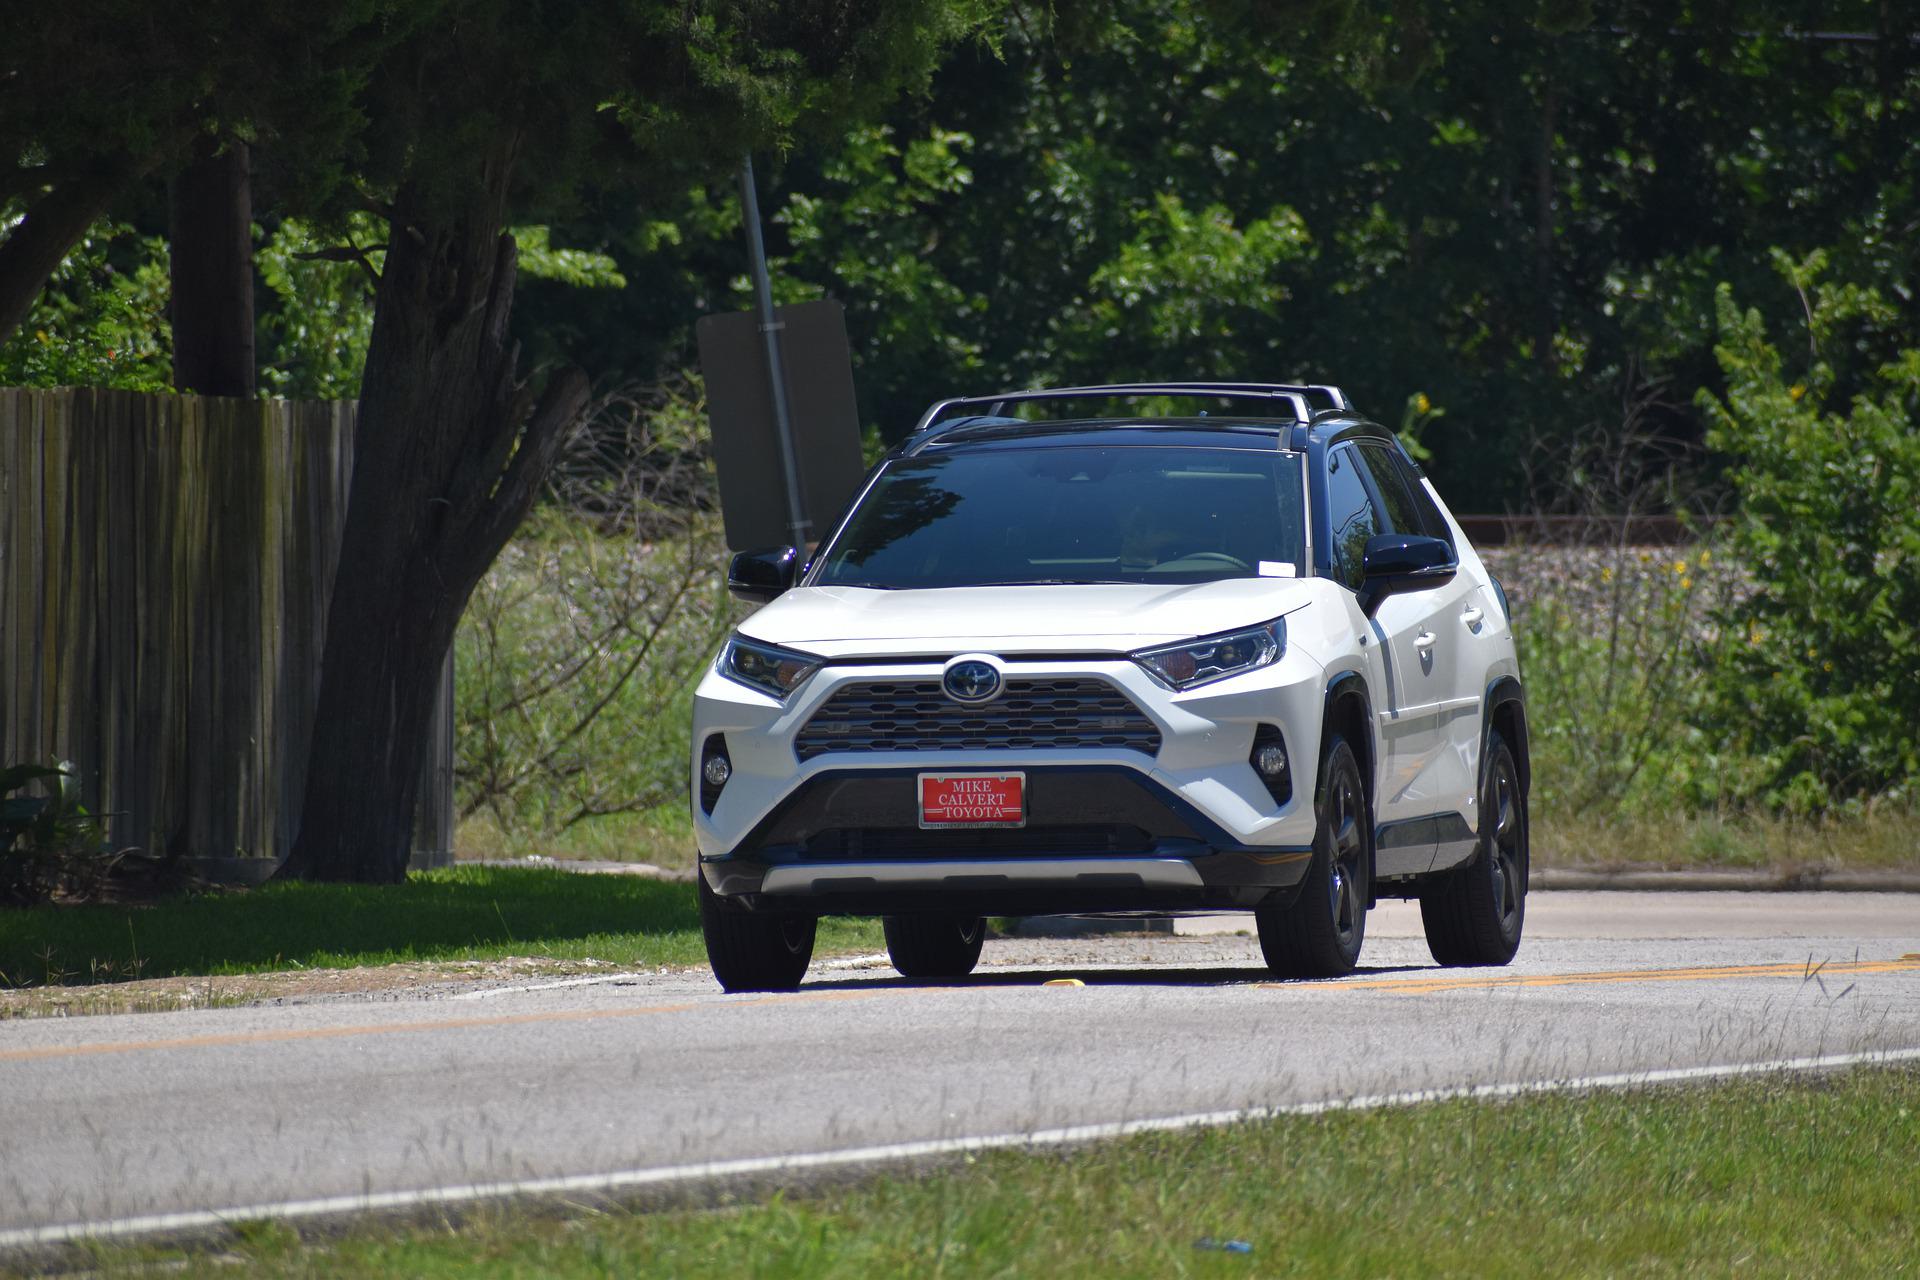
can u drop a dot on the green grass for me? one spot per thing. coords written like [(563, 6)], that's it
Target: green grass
[(662, 836), (1888, 840), (466, 913), (1791, 1176)]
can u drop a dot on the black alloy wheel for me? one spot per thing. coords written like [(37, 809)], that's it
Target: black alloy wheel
[(1320, 934), (754, 951), (934, 946), (1474, 915)]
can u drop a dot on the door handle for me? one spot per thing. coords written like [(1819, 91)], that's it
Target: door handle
[(1471, 616), (1423, 641)]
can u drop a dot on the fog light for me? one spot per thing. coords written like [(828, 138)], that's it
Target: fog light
[(715, 769), (1269, 761)]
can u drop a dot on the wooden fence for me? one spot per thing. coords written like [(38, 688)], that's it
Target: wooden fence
[(165, 566)]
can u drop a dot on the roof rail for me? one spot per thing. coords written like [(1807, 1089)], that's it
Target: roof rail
[(1295, 394)]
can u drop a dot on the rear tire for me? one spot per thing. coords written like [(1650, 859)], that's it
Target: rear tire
[(1320, 934), (1473, 915), (753, 951), (934, 946)]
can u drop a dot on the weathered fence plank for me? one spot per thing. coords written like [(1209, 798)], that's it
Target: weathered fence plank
[(165, 565)]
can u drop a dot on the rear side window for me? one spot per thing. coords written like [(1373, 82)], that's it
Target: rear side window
[(1353, 516), (1392, 488), (1408, 505)]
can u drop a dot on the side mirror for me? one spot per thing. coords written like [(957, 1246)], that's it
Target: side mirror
[(1396, 562), (759, 576)]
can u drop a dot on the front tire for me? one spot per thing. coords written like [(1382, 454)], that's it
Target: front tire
[(934, 946), (1319, 935), (1473, 915), (751, 951)]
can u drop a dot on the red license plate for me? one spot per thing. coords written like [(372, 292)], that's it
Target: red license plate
[(973, 800)]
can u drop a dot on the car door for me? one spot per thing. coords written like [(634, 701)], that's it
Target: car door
[(1408, 736), (1480, 628), (1448, 619)]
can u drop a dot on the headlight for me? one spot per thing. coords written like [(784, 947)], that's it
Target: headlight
[(772, 670), (1197, 662)]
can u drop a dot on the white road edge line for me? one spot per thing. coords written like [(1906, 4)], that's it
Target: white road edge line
[(602, 979), (598, 979), (199, 1219), (859, 962)]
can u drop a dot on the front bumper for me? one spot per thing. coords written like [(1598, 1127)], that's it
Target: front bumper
[(1190, 827)]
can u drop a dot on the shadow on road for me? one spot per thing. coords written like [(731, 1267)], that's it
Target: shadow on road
[(1144, 975)]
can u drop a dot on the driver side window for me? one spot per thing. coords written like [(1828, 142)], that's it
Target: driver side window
[(1351, 512)]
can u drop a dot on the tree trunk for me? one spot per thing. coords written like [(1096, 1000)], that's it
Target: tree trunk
[(211, 235), (448, 458), (53, 225)]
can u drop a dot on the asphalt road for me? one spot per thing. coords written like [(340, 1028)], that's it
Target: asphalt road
[(104, 1119)]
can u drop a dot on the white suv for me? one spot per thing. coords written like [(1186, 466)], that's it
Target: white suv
[(1066, 652)]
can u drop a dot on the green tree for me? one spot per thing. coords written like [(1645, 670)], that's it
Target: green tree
[(501, 115), (1819, 682), (95, 96), (101, 320), (1521, 216)]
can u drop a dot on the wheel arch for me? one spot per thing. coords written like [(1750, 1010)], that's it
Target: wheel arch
[(1349, 711), (1505, 709)]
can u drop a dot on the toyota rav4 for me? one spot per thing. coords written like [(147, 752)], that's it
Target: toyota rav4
[(1068, 653)]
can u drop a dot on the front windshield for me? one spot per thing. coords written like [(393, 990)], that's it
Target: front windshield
[(1074, 513)]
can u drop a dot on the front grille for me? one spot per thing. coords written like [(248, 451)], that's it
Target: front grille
[(1034, 714)]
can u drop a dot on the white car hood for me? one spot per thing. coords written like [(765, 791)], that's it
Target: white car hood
[(1117, 617)]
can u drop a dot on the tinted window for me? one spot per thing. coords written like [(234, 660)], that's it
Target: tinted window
[(1434, 524), (1033, 514), (1401, 515), (1351, 512)]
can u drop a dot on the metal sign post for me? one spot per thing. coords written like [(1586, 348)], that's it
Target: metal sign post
[(770, 326)]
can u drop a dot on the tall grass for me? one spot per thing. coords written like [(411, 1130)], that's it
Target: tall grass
[(580, 649)]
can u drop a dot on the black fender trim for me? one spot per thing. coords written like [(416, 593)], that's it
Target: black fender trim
[(1345, 684), (1501, 692)]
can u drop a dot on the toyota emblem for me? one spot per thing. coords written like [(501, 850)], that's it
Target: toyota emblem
[(971, 681)]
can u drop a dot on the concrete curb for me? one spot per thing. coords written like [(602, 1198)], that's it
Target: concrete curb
[(1715, 880), (1554, 879)]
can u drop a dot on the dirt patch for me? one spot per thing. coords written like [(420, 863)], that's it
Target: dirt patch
[(296, 986)]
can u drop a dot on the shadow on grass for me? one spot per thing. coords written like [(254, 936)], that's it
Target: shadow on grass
[(463, 913)]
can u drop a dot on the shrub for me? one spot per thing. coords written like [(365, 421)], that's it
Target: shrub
[(1617, 657), (1818, 681), (49, 843), (580, 648)]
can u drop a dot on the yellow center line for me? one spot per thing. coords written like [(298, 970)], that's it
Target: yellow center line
[(399, 1028), (1421, 986)]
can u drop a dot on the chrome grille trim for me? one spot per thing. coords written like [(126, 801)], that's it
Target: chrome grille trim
[(1036, 713)]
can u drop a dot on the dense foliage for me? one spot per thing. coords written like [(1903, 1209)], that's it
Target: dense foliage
[(1819, 681), (1522, 220), (1525, 221)]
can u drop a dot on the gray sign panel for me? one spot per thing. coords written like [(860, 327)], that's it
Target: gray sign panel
[(826, 421)]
